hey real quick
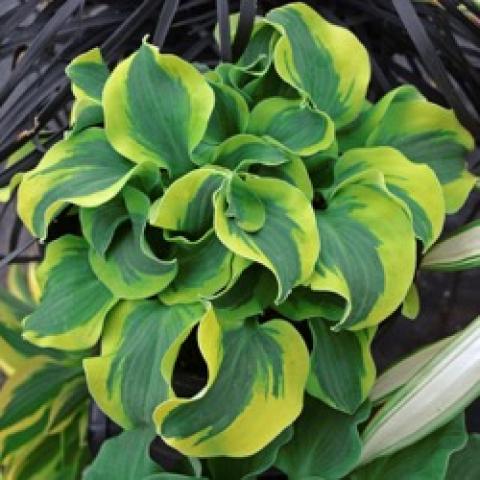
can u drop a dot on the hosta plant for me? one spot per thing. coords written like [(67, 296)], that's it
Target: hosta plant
[(262, 216)]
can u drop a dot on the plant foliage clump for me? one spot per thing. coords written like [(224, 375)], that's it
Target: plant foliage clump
[(252, 202)]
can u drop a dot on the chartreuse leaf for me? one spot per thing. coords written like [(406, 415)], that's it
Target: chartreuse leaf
[(25, 399), (414, 184), (74, 302), (141, 340), (129, 268), (427, 133), (427, 459), (464, 464), (248, 468), (187, 205), (157, 108), (401, 372), (88, 74), (257, 376), (287, 243), (125, 457), (325, 445), (204, 268), (356, 134), (459, 251), (83, 170), (432, 397), (242, 151), (342, 370), (411, 303), (366, 260), (336, 85), (293, 123), (21, 282)]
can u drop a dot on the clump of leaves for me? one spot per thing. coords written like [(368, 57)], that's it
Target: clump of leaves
[(254, 202)]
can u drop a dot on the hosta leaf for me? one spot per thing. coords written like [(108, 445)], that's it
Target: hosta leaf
[(411, 303), (204, 268), (326, 443), (427, 459), (187, 205), (357, 133), (464, 464), (26, 396), (250, 292), (229, 118), (85, 113), (336, 85), (129, 268), (459, 251), (242, 151), (288, 242), (293, 123), (74, 302), (416, 185), (83, 170), (366, 260), (401, 372), (257, 375), (157, 108), (22, 283), (248, 468), (432, 397), (342, 370), (427, 133), (125, 457), (141, 340), (88, 74)]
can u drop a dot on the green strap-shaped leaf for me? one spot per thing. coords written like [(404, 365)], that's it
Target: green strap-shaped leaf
[(464, 464), (326, 443), (342, 370), (74, 302), (427, 133), (141, 341), (242, 151), (248, 468), (336, 85), (157, 108), (83, 170), (257, 375), (88, 73), (425, 460), (287, 244), (187, 206), (204, 268), (129, 268), (432, 397), (125, 457), (364, 258), (459, 251), (293, 123), (416, 185)]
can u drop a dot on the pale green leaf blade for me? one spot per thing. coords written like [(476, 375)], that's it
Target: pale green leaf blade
[(74, 302), (436, 394), (427, 459), (257, 375), (157, 108), (459, 251)]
